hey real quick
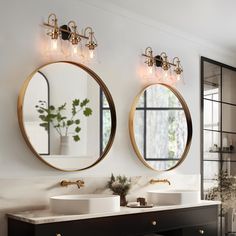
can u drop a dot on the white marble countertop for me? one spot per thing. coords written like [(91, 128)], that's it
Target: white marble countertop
[(46, 216)]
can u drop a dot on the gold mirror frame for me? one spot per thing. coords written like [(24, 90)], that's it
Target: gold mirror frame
[(188, 120), (109, 99)]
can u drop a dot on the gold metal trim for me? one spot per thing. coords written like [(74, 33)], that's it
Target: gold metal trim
[(188, 120), (109, 99)]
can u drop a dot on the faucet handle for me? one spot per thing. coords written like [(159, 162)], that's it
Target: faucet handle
[(80, 183)]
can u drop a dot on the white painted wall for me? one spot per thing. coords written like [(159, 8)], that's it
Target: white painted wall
[(122, 37)]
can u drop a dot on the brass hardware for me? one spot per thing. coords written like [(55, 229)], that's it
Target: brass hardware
[(162, 61), (55, 32), (58, 235), (188, 120), (154, 181), (107, 93), (92, 43), (72, 34), (154, 223), (201, 231), (66, 183), (150, 59)]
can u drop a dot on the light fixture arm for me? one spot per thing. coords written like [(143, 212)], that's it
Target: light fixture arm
[(161, 60), (52, 21)]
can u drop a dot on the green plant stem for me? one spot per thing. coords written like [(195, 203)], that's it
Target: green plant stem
[(67, 127)]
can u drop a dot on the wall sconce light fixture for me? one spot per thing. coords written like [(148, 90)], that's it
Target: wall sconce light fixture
[(71, 33), (160, 67)]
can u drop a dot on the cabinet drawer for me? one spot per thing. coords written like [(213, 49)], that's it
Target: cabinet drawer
[(205, 230)]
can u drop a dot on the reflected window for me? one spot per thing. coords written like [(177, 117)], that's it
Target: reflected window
[(105, 121), (162, 115)]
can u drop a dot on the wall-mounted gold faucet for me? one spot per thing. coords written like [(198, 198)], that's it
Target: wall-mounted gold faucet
[(79, 183), (154, 181)]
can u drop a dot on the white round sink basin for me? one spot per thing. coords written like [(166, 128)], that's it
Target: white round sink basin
[(173, 197), (85, 204)]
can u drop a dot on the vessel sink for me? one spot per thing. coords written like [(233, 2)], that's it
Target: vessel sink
[(173, 197), (85, 204)]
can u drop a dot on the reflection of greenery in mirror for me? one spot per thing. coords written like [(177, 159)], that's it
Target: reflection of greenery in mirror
[(160, 127), (80, 116), (59, 120)]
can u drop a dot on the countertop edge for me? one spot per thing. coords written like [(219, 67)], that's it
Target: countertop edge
[(36, 216)]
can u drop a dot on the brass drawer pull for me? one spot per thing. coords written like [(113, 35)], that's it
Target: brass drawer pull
[(58, 235), (201, 231), (154, 222)]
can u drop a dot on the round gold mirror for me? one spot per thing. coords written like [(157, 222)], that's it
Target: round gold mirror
[(160, 127), (67, 116)]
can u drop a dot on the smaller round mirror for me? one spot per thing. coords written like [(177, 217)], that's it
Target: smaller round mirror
[(160, 127)]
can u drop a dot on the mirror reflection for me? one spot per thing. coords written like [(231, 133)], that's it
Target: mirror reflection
[(67, 116), (160, 127)]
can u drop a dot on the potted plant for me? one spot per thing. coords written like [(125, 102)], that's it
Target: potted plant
[(225, 191), (61, 122), (120, 185)]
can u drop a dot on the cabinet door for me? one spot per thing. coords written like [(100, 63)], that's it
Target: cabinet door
[(205, 230)]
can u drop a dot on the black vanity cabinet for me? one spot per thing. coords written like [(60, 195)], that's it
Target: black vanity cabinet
[(179, 222)]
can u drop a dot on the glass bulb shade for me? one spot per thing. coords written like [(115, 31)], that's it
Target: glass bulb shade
[(75, 50), (91, 54), (178, 77), (53, 47), (149, 72), (54, 44), (166, 75)]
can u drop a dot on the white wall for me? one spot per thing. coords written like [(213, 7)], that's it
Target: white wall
[(122, 37)]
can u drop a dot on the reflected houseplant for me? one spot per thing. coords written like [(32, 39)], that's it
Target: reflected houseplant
[(61, 122), (120, 185), (225, 191)]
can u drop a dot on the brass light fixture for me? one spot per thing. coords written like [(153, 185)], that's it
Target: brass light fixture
[(70, 33), (92, 41), (54, 32), (74, 37), (162, 62)]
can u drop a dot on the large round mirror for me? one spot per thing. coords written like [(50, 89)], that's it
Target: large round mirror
[(67, 116), (160, 127)]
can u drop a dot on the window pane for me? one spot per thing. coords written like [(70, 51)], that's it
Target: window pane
[(228, 86), (212, 75), (211, 115), (106, 127), (139, 130), (166, 134), (160, 96), (228, 118)]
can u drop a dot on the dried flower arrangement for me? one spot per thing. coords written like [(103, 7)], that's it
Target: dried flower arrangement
[(120, 185)]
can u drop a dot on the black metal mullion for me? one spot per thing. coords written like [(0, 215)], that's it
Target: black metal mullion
[(101, 121), (221, 102), (145, 126), (160, 108)]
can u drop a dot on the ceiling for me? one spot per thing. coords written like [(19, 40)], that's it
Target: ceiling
[(211, 20)]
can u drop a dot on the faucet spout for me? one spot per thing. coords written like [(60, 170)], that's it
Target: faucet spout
[(153, 181), (66, 183)]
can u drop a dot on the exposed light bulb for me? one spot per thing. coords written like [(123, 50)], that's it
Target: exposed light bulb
[(91, 54), (150, 70), (54, 44), (165, 74), (74, 49), (178, 77)]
